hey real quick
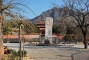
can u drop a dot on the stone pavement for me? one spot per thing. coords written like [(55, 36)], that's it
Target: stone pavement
[(81, 56), (28, 58), (56, 52)]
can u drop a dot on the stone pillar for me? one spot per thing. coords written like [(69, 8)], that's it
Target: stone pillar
[(48, 29)]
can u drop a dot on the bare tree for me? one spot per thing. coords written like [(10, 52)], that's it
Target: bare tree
[(9, 8), (79, 10), (1, 18)]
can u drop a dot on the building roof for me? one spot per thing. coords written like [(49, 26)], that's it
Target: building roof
[(42, 28), (41, 22)]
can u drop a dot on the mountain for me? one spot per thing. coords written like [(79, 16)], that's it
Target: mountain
[(55, 13)]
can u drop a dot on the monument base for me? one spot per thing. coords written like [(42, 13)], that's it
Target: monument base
[(48, 42)]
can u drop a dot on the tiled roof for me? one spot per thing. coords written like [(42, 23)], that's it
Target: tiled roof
[(42, 28), (41, 22)]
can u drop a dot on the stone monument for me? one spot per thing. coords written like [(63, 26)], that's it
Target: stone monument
[(48, 30)]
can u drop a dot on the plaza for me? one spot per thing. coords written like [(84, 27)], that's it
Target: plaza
[(54, 52)]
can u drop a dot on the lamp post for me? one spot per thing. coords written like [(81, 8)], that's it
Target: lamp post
[(20, 42), (23, 46)]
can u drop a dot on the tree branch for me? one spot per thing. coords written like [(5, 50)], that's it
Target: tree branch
[(7, 6), (25, 6)]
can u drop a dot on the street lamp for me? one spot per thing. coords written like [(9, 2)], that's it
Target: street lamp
[(23, 46), (20, 51), (22, 42)]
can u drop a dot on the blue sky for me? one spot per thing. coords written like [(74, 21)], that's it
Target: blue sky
[(38, 6)]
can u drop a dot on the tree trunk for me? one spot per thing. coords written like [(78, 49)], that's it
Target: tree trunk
[(1, 41), (85, 41)]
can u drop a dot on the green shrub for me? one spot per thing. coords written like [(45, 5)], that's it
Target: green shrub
[(5, 47), (25, 53)]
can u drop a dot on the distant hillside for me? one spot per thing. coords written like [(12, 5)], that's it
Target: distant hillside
[(54, 12)]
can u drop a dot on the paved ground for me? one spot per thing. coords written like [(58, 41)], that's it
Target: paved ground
[(75, 52)]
